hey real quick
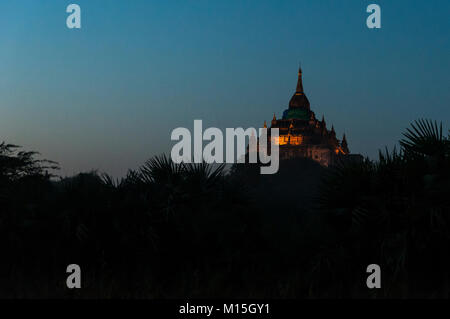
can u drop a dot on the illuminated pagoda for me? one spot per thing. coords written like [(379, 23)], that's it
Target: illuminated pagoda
[(302, 135)]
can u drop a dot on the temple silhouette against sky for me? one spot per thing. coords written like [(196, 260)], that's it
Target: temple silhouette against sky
[(302, 135)]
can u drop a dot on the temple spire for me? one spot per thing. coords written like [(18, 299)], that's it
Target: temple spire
[(274, 120), (344, 145), (299, 81), (299, 99)]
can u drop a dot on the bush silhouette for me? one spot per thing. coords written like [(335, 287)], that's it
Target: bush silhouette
[(176, 230)]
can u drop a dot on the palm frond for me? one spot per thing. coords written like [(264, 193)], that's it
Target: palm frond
[(160, 168), (425, 137)]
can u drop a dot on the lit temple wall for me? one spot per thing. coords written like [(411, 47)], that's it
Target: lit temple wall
[(288, 139)]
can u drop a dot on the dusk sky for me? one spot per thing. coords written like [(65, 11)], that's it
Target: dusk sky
[(107, 96)]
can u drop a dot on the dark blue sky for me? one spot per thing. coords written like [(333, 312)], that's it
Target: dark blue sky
[(107, 96)]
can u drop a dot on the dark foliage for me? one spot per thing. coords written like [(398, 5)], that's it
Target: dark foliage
[(169, 230)]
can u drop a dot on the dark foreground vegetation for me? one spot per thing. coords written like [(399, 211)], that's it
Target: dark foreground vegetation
[(168, 231)]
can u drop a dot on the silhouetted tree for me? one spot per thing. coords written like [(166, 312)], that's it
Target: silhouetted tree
[(195, 230)]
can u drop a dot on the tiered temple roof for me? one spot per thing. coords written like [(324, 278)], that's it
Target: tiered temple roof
[(302, 135)]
